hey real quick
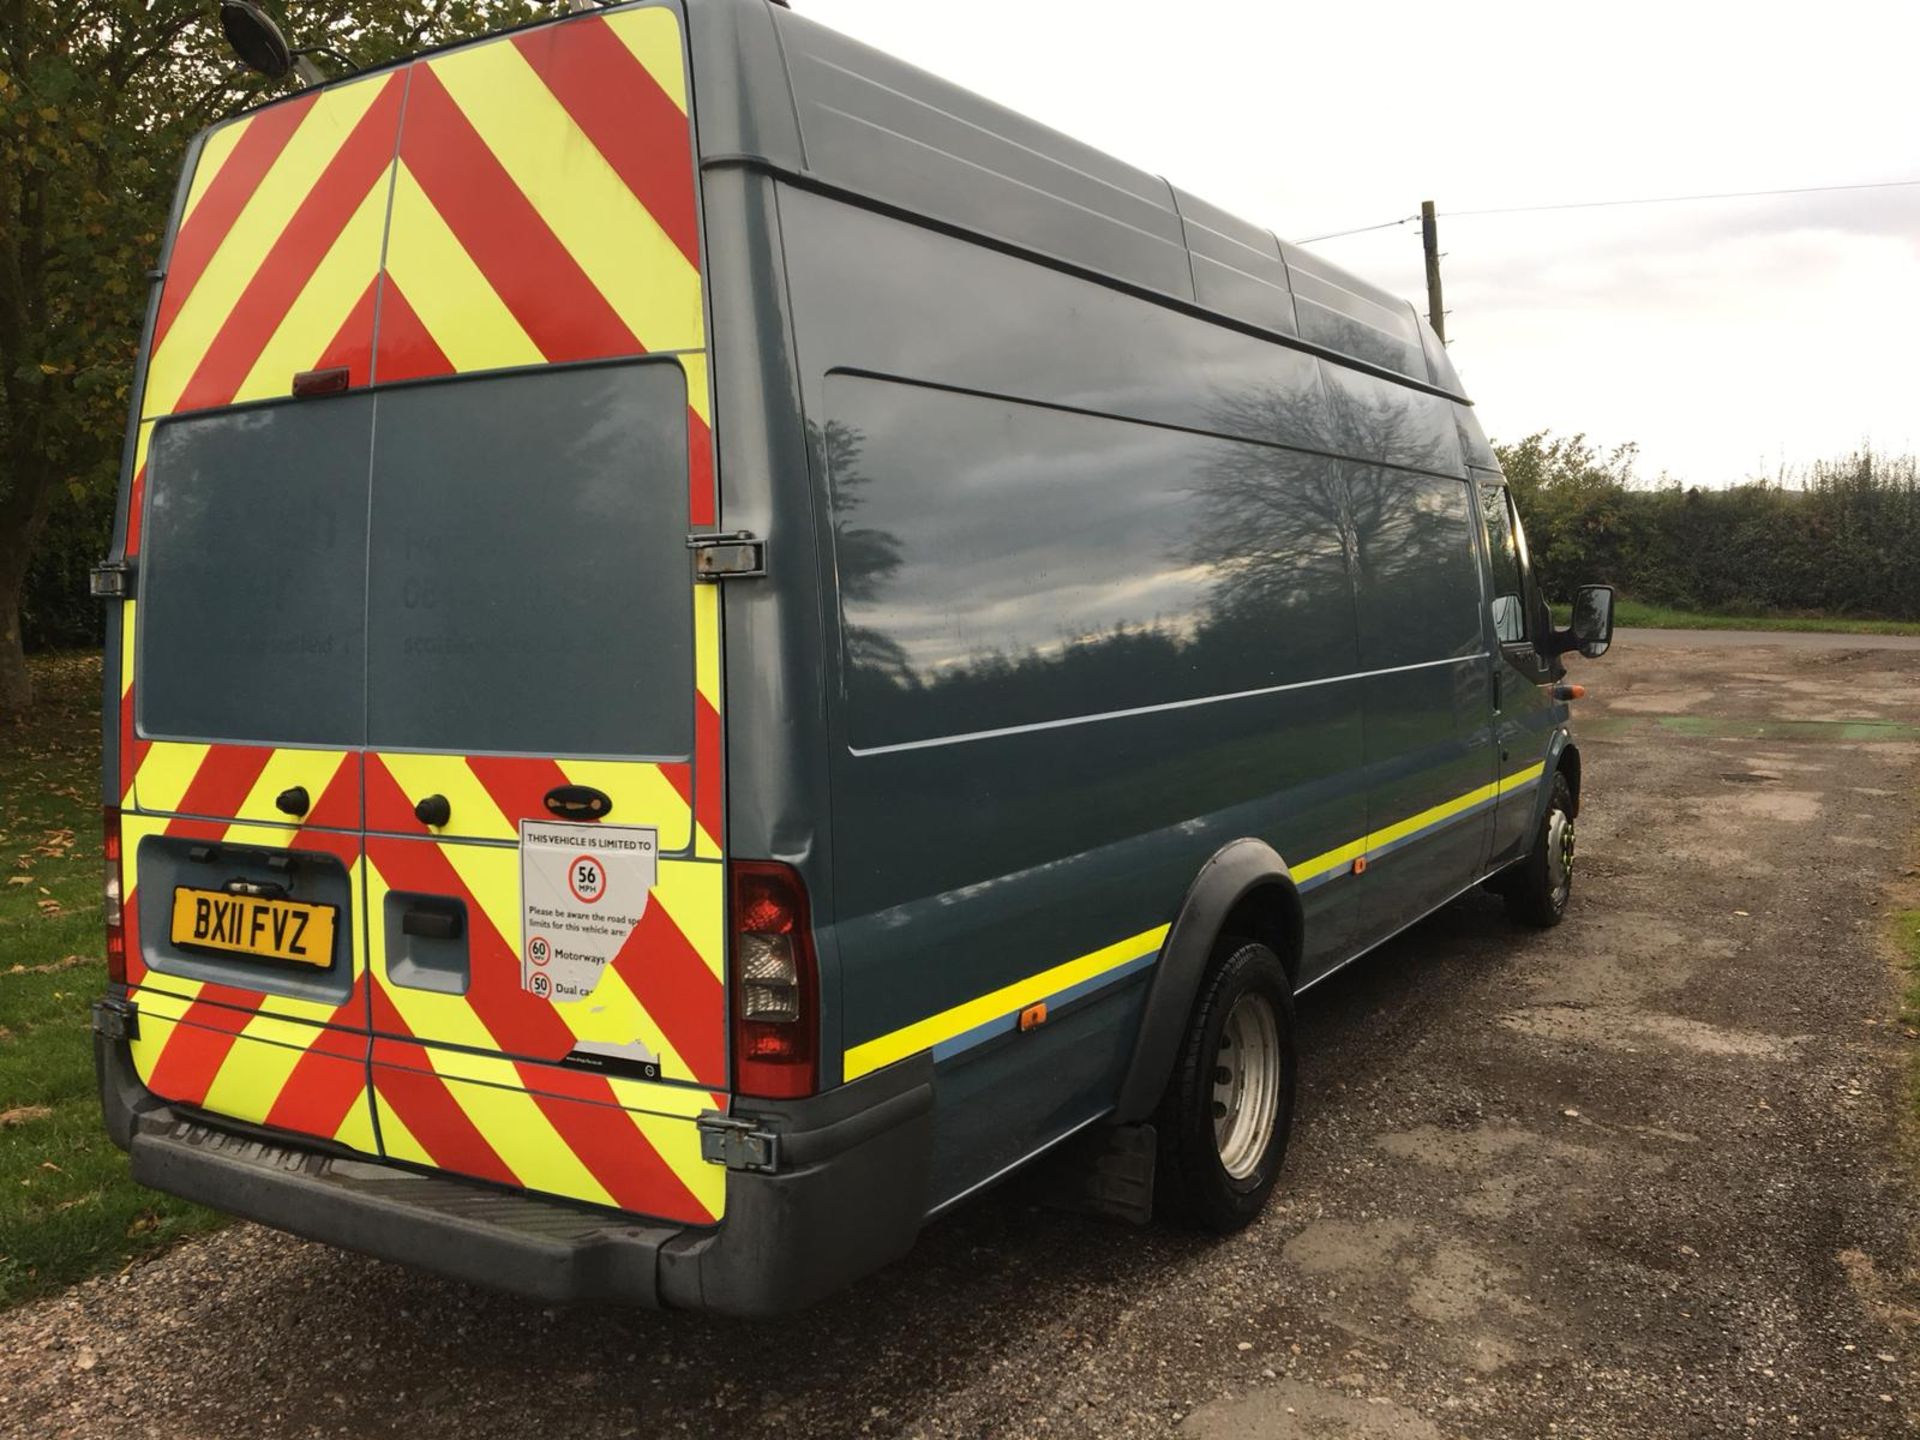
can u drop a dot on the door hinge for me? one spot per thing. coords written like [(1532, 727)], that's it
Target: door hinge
[(116, 1018), (111, 580), (735, 1142), (740, 555)]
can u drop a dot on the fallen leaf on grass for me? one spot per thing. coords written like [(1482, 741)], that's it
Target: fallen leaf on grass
[(49, 908), (65, 962), (20, 880), (143, 1223), (21, 1114)]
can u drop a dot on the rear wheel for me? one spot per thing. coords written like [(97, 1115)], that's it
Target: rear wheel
[(1228, 1110), (1541, 886)]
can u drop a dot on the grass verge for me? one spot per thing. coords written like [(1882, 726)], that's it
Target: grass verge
[(68, 1207), (1635, 614)]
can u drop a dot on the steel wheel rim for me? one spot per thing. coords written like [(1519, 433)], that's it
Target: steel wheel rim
[(1246, 1085), (1559, 855)]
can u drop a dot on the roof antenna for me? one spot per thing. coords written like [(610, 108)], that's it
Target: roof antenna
[(262, 47)]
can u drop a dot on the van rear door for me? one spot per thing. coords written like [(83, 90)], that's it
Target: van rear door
[(242, 844), (534, 630), (543, 933), (465, 578)]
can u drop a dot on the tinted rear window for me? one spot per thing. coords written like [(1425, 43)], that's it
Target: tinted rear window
[(529, 584), (254, 574), (524, 586)]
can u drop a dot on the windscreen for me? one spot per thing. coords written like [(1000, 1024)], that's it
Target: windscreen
[(481, 565)]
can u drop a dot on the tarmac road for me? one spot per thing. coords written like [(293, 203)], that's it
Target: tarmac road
[(1641, 1175)]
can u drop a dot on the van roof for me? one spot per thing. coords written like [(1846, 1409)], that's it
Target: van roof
[(775, 89)]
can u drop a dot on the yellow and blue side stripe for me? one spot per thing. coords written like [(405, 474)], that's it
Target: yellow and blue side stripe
[(974, 1022)]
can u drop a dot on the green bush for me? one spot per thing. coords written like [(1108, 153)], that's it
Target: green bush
[(1844, 540)]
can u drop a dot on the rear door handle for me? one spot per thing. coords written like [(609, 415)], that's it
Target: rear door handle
[(432, 922)]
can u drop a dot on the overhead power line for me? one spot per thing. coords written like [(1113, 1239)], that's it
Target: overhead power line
[(1607, 204)]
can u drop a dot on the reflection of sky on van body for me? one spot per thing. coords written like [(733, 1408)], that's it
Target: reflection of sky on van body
[(1045, 617), (1004, 563), (1097, 536)]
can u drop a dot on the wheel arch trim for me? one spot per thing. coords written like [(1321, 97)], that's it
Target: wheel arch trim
[(1246, 882)]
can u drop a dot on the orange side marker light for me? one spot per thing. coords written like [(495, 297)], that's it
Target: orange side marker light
[(1360, 865), (1033, 1016)]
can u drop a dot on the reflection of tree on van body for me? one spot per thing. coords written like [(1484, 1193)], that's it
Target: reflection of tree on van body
[(1251, 586), (1271, 525), (866, 557), (1396, 540)]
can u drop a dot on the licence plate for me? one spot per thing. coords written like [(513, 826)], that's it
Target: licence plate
[(255, 925)]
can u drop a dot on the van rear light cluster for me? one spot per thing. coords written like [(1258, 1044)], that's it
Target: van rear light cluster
[(111, 897), (776, 983)]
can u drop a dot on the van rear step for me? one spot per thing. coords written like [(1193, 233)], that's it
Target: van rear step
[(542, 1248)]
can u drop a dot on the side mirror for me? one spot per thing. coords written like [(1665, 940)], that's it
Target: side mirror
[(255, 38), (1592, 627)]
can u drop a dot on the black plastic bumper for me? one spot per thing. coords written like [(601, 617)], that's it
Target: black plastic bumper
[(849, 1198)]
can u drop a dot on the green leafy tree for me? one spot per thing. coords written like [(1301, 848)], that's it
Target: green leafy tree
[(98, 99), (1577, 503)]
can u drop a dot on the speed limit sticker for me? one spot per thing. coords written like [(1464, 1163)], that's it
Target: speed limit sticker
[(586, 878), (583, 889)]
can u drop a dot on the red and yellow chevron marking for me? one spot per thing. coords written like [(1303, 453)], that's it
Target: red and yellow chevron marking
[(664, 989), (273, 1059), (542, 207), (536, 204), (491, 794), (228, 1060), (564, 1132), (276, 261)]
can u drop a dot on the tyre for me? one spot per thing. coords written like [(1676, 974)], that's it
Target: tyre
[(1224, 1121), (1540, 886)]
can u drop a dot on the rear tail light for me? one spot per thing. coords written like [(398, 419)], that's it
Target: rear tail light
[(776, 983), (111, 897)]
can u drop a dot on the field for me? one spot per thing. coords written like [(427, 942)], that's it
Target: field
[(67, 1205), (1638, 615)]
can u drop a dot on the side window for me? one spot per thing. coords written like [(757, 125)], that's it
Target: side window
[(1508, 593)]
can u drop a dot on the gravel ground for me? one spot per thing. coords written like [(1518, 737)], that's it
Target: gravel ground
[(1643, 1175)]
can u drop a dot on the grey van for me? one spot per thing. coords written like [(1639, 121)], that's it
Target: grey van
[(715, 643)]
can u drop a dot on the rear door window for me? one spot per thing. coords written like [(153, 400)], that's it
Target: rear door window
[(254, 575), (522, 585), (528, 588)]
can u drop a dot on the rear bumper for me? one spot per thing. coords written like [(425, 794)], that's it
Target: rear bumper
[(850, 1198)]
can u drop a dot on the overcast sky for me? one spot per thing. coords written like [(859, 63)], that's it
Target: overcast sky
[(1728, 338)]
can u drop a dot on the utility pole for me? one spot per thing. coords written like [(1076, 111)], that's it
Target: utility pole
[(1430, 242)]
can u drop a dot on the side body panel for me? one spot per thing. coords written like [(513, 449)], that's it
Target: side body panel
[(1095, 619)]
